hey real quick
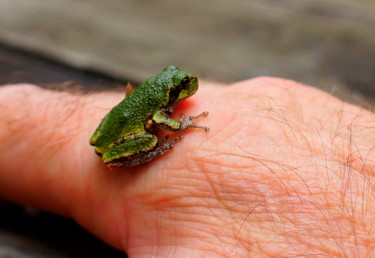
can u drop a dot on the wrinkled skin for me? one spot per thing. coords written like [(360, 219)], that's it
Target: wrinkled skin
[(286, 170)]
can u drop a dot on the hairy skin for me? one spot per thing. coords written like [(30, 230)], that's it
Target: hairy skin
[(286, 170)]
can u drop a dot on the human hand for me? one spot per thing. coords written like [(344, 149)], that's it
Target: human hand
[(285, 170)]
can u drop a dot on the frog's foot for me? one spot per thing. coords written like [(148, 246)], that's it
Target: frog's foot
[(165, 145), (187, 122)]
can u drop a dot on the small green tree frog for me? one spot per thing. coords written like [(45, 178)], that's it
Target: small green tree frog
[(126, 135)]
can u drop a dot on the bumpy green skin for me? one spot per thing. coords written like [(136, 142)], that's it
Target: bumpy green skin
[(125, 135)]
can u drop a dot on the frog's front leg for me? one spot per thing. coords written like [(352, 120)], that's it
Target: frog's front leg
[(170, 124)]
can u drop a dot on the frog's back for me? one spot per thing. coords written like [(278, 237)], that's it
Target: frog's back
[(131, 114)]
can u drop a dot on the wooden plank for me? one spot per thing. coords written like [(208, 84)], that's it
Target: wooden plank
[(309, 41)]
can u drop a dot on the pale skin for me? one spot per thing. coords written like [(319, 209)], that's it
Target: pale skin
[(285, 171)]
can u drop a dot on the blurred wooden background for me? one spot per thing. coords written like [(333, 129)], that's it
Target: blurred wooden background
[(326, 43)]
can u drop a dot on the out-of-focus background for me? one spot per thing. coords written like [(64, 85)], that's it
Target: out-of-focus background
[(326, 43)]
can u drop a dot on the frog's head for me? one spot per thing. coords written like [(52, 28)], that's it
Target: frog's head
[(184, 84)]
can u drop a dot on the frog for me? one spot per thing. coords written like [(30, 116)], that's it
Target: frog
[(127, 135)]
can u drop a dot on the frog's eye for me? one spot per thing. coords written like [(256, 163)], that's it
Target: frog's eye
[(185, 83)]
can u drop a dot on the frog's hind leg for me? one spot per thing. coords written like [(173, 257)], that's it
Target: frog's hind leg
[(125, 151), (159, 150), (146, 156)]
